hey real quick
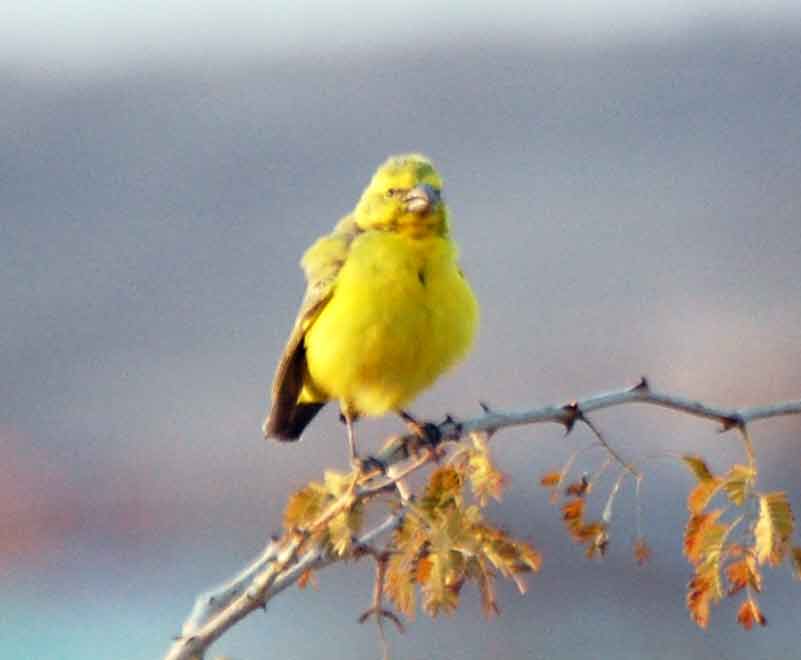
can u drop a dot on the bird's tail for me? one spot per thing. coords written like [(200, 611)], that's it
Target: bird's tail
[(286, 423)]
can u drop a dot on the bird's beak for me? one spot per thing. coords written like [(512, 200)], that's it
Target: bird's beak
[(421, 198)]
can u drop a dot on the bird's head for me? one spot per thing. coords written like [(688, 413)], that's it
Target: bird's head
[(405, 196)]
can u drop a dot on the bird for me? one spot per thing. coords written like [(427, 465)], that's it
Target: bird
[(387, 309)]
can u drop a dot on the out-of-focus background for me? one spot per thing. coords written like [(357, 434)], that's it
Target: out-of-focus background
[(624, 179)]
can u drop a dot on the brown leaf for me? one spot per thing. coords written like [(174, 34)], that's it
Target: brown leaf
[(343, 527), (773, 528), (337, 483), (598, 545), (749, 614), (579, 488), (550, 479), (573, 511), (590, 531), (304, 506), (743, 573), (307, 578), (399, 585), (486, 480), (796, 559), (699, 598), (442, 586), (508, 555), (738, 482), (642, 552), (703, 590), (423, 570), (403, 568), (700, 496), (696, 531), (444, 487), (698, 467), (484, 577), (529, 558)]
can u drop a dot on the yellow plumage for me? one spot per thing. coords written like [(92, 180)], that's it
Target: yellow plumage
[(386, 311)]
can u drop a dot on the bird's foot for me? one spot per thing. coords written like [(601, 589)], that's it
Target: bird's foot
[(369, 466), (427, 432)]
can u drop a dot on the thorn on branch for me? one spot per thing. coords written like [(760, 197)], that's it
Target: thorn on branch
[(572, 414), (260, 602), (732, 422), (449, 420), (488, 410)]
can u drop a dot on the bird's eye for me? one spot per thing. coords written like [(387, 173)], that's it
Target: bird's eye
[(392, 192)]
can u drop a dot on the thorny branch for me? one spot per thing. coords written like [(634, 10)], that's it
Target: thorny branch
[(281, 564)]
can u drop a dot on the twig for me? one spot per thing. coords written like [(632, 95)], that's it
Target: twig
[(280, 566), (283, 573), (640, 393), (397, 449), (610, 450), (209, 604), (376, 608)]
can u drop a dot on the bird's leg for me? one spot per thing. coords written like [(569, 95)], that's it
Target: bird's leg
[(354, 456), (363, 465)]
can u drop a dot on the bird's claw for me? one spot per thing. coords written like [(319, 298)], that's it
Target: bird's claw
[(369, 465)]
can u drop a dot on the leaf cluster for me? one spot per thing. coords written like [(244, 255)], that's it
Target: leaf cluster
[(443, 539), (445, 542), (442, 543), (593, 534), (328, 513), (729, 545)]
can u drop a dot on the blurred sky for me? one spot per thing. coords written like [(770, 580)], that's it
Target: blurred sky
[(624, 184), (94, 36)]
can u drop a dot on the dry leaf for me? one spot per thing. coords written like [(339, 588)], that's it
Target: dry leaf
[(749, 614), (642, 552), (743, 573), (796, 559), (773, 528), (550, 479), (698, 467), (738, 482), (308, 577), (700, 496)]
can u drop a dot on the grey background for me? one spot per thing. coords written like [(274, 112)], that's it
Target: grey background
[(624, 206)]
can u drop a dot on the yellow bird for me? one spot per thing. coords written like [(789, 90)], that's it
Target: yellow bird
[(387, 309)]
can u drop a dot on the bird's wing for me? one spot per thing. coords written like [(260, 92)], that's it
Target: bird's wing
[(321, 264)]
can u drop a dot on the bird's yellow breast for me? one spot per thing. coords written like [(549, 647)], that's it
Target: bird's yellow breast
[(401, 313)]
